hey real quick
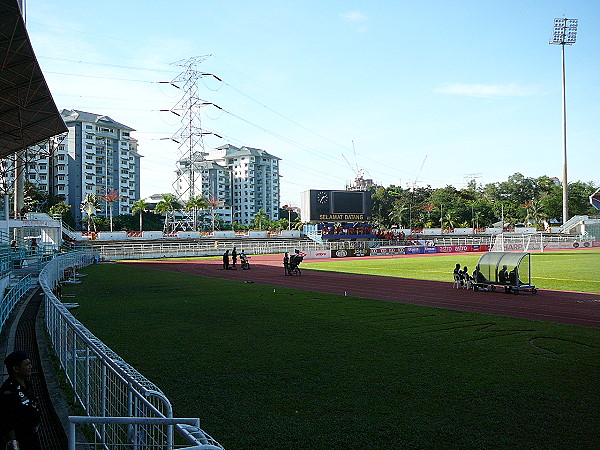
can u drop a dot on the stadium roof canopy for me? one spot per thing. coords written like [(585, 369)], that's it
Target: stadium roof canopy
[(28, 114)]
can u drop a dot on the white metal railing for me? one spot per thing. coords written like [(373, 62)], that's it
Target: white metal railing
[(66, 228), (538, 242), (137, 429), (161, 249), (103, 383), (464, 240), (575, 220), (12, 297)]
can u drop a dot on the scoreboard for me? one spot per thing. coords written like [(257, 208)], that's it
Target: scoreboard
[(322, 205)]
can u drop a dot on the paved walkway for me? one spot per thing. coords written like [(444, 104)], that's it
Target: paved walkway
[(24, 330)]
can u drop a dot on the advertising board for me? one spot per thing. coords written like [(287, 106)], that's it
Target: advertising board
[(383, 251), (349, 252), (454, 248), (316, 254)]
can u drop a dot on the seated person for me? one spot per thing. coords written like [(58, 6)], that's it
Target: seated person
[(513, 277), (465, 274), (503, 278), (503, 275), (478, 276), (458, 274)]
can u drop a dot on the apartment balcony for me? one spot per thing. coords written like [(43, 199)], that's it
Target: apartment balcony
[(106, 134)]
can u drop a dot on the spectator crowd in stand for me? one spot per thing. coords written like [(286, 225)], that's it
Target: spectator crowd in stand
[(351, 229)]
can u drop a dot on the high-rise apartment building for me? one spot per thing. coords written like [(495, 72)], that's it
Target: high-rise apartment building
[(97, 155), (245, 179)]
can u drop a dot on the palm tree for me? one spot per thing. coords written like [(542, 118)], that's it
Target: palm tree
[(168, 203), (449, 220), (259, 218), (141, 206), (111, 196), (213, 202), (89, 207), (397, 213), (429, 207), (195, 203)]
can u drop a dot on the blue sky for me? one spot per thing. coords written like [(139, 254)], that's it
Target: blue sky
[(431, 92)]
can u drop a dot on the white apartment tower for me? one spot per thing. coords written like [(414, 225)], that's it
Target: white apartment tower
[(102, 156), (198, 176), (246, 179), (96, 155)]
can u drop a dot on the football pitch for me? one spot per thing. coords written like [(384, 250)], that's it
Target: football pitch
[(573, 270), (282, 368)]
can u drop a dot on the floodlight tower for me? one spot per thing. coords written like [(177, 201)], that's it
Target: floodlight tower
[(565, 33)]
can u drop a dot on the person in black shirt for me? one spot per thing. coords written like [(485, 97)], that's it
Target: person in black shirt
[(19, 410), (503, 278), (233, 258), (457, 273), (286, 263), (226, 260)]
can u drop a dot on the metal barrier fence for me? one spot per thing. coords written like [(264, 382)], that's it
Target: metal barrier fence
[(12, 297), (198, 248), (103, 383), (138, 427)]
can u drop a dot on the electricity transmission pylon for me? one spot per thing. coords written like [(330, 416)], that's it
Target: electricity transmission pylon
[(190, 134)]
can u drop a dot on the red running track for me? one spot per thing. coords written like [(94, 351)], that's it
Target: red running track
[(576, 308)]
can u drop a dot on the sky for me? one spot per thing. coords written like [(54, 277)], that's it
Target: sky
[(406, 93)]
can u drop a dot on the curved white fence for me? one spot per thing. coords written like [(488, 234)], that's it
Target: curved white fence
[(103, 383), (12, 297)]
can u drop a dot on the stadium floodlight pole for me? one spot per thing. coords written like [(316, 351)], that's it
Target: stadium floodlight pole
[(565, 33)]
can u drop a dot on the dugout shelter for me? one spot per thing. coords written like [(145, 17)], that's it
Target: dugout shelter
[(518, 266)]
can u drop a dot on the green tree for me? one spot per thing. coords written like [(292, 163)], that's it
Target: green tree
[(64, 211), (579, 198), (398, 213), (139, 206), (194, 204), (167, 204), (111, 196), (60, 209), (260, 219), (89, 207), (383, 201), (449, 220), (214, 202), (39, 200)]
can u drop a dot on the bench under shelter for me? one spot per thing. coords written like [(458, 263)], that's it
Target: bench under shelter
[(518, 266)]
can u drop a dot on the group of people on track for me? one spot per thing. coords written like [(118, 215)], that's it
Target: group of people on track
[(234, 258), (291, 263)]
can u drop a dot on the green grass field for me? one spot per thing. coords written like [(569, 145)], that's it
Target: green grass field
[(294, 369), (561, 270)]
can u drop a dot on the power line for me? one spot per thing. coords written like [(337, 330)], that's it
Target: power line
[(104, 78), (93, 63)]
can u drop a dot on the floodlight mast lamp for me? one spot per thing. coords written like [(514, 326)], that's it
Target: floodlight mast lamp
[(565, 33)]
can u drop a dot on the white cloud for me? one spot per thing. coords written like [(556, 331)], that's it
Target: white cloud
[(356, 19), (487, 90)]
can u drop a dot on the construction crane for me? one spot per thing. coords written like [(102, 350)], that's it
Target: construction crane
[(359, 181), (419, 174)]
